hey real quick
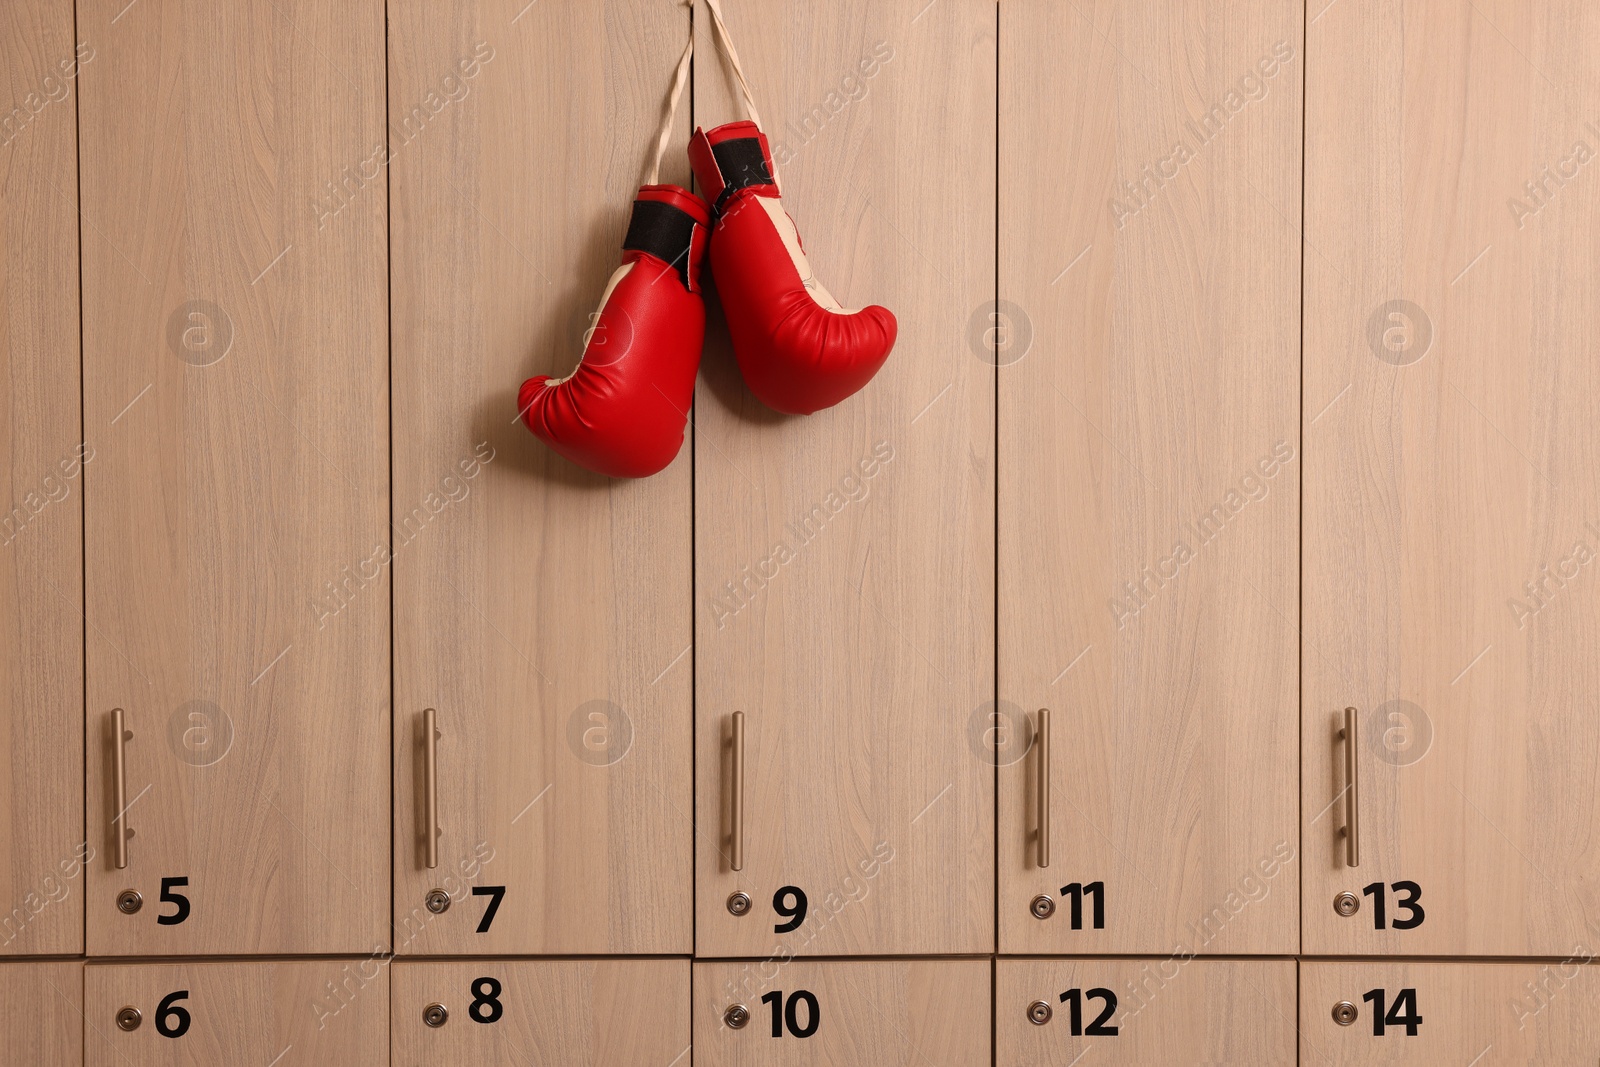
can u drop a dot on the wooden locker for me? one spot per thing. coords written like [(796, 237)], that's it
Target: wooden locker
[(1172, 1010), (235, 363), (278, 1013), (1147, 338), (1532, 1014), (842, 1013), (1451, 515), (41, 1013), (42, 459), (542, 611), (552, 1013), (844, 561)]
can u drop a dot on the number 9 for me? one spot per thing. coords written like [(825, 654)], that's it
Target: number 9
[(795, 912)]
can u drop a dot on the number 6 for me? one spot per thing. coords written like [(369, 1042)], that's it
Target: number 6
[(167, 1008)]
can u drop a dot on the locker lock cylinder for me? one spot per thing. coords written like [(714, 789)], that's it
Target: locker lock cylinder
[(1347, 904), (129, 1018), (1039, 1012), (1042, 906), (736, 1016), (437, 901), (739, 903), (435, 1015), (1345, 1013), (129, 901)]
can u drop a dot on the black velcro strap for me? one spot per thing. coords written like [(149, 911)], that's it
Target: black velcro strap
[(742, 164), (663, 231)]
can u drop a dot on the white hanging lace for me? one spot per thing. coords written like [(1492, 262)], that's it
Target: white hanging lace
[(726, 43)]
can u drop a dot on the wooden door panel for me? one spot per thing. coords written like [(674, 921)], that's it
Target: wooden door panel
[(271, 1012), (844, 561), (554, 1013), (542, 610), (1450, 439), (1148, 349), (235, 354), (1538, 1014), (42, 458), (930, 1013), (41, 1013), (1173, 1010)]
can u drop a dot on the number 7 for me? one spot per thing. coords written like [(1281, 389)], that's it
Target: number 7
[(495, 893)]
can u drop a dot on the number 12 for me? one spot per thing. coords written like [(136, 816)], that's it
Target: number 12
[(1073, 998)]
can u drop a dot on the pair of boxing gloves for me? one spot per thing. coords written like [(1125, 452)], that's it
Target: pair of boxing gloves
[(622, 411)]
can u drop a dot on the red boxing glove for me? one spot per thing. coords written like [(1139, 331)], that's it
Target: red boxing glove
[(799, 350), (622, 411)]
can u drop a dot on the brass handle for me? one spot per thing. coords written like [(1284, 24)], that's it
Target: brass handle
[(1043, 743), (430, 759), (1352, 795), (736, 846), (119, 785)]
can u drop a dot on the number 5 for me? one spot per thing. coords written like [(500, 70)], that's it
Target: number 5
[(178, 900)]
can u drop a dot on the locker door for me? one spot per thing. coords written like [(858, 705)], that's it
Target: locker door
[(1170, 1010), (41, 1013), (304, 1013), (842, 1013), (1149, 474), (844, 561), (1539, 1013), (542, 611), (555, 1013), (235, 362), (1451, 514), (42, 458)]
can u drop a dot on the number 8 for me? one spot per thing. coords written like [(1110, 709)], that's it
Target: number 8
[(486, 1006)]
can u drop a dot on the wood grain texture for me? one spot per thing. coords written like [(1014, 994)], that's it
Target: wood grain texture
[(1150, 174), (543, 610), (282, 1013), (41, 1013), (1451, 514), (566, 1013), (1170, 1011), (844, 561), (1484, 1014), (235, 350), (927, 1013), (41, 463)]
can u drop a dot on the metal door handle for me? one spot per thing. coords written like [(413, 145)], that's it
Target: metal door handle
[(736, 846), (430, 759), (1043, 743), (120, 832), (1352, 795)]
